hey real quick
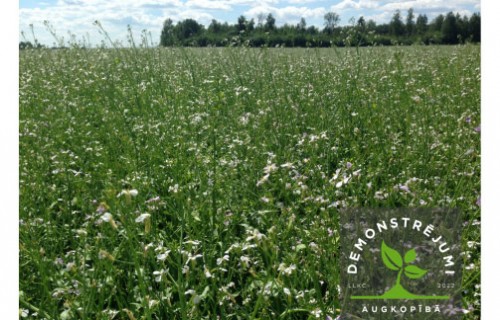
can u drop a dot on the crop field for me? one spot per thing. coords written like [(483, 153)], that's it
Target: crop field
[(206, 183)]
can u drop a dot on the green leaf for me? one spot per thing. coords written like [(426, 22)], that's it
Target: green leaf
[(414, 272), (391, 258), (410, 256)]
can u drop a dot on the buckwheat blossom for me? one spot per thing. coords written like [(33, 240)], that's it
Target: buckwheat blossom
[(287, 165), (452, 310), (192, 257), (102, 208), (380, 195), (128, 193), (316, 313), (154, 199), (142, 217), (152, 303), (263, 180), (207, 272), (107, 217), (264, 199), (254, 235), (270, 168), (111, 313), (283, 269), (163, 256), (159, 275), (245, 261), (174, 188), (221, 260), (404, 188), (24, 313)]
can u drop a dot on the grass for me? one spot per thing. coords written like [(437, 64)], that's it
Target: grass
[(196, 183)]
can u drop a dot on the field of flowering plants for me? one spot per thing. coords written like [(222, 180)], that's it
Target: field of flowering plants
[(206, 183)]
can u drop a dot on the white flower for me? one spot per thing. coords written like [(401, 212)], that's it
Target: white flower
[(270, 168), (128, 193), (287, 165), (207, 272), (193, 257), (316, 313), (142, 217), (380, 195), (163, 256), (106, 217), (158, 275), (220, 260), (24, 313), (283, 269), (255, 234), (152, 303), (263, 180)]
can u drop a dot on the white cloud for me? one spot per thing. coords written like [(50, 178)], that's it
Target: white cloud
[(288, 14), (351, 4), (431, 6), (302, 1), (208, 4)]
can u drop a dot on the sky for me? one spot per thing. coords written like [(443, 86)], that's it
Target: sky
[(77, 17)]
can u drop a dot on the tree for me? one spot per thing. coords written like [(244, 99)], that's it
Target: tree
[(371, 25), (449, 29), (25, 45), (187, 29), (361, 24), (167, 33), (302, 25), (410, 22), (396, 26), (331, 21), (421, 25), (462, 26), (475, 27), (251, 25), (270, 23), (214, 27), (242, 23), (437, 23)]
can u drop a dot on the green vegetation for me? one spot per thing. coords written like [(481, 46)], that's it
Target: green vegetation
[(161, 183), (451, 28)]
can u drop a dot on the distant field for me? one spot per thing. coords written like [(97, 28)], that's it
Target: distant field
[(190, 183)]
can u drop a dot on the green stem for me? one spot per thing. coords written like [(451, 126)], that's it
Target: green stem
[(398, 280)]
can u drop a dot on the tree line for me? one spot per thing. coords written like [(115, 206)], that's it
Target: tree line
[(450, 28)]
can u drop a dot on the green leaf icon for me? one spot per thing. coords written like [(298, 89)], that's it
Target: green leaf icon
[(410, 256), (391, 258), (414, 272)]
